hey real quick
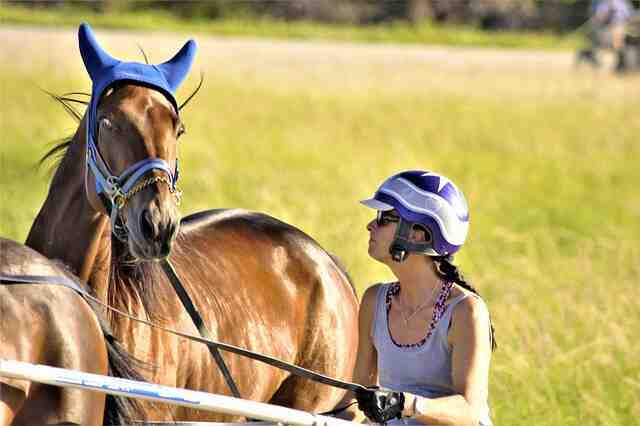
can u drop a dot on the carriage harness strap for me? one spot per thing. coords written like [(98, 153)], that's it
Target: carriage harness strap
[(274, 362), (199, 323)]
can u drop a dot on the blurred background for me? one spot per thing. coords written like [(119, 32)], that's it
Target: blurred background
[(556, 15), (307, 105)]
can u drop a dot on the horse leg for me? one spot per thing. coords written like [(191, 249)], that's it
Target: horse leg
[(11, 400)]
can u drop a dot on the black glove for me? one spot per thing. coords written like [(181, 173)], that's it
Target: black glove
[(380, 406)]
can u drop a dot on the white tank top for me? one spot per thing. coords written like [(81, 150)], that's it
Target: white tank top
[(421, 369)]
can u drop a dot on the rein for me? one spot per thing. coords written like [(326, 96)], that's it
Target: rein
[(272, 361), (191, 309)]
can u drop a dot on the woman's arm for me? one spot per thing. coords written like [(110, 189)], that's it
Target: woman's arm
[(470, 339), (366, 370)]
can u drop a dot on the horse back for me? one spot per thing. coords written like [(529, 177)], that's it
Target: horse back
[(280, 247), (262, 244)]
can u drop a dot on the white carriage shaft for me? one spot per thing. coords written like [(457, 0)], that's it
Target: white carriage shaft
[(165, 394)]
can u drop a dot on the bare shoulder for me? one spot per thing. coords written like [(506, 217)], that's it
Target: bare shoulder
[(371, 293), (471, 310), (470, 324)]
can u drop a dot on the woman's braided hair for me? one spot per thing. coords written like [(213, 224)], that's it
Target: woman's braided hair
[(450, 272)]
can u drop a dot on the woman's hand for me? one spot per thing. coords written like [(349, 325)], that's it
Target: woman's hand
[(380, 406)]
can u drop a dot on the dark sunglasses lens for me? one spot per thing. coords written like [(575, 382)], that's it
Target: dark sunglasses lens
[(383, 218)]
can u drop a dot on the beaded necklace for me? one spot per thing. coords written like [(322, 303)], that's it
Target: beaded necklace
[(438, 310)]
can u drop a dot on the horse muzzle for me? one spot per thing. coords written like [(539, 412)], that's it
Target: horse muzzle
[(152, 222)]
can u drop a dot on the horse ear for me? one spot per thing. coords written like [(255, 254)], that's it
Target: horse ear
[(94, 57), (177, 68)]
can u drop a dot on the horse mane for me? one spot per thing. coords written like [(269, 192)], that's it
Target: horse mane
[(134, 284)]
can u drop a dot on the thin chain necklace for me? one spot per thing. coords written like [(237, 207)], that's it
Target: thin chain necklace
[(408, 318)]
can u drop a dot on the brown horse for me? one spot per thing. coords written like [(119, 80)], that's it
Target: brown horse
[(51, 324), (259, 283)]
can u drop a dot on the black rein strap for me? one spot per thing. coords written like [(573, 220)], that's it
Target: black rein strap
[(274, 362), (171, 274)]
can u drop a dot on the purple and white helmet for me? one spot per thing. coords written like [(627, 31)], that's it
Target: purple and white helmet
[(429, 199)]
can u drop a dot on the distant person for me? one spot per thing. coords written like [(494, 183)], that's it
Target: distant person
[(427, 337), (612, 16), (608, 24)]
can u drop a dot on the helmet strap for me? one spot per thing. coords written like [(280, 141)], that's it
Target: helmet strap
[(401, 245)]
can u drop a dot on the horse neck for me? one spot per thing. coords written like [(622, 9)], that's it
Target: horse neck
[(68, 227)]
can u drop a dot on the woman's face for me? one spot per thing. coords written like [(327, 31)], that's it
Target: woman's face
[(382, 229)]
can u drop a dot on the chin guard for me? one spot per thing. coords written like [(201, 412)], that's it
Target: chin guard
[(401, 245)]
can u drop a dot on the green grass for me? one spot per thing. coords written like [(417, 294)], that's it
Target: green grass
[(396, 32), (548, 162)]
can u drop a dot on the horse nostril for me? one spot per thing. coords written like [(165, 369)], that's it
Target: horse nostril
[(147, 227)]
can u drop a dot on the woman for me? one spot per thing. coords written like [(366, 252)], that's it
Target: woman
[(427, 337)]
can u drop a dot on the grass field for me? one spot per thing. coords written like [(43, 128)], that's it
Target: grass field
[(547, 156)]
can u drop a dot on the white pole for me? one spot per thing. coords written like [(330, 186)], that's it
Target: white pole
[(166, 394)]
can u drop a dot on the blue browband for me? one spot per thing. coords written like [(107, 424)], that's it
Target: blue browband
[(105, 71)]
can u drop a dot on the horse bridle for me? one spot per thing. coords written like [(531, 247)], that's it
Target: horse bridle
[(115, 191)]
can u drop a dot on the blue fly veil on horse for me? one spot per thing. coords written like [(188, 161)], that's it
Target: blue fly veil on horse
[(105, 71)]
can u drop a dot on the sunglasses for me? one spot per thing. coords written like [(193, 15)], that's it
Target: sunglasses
[(386, 217)]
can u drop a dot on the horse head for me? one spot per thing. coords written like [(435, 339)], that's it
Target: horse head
[(132, 128)]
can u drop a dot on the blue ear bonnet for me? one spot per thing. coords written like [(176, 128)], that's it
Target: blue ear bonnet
[(105, 70)]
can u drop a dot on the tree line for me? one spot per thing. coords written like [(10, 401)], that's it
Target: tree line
[(556, 15)]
